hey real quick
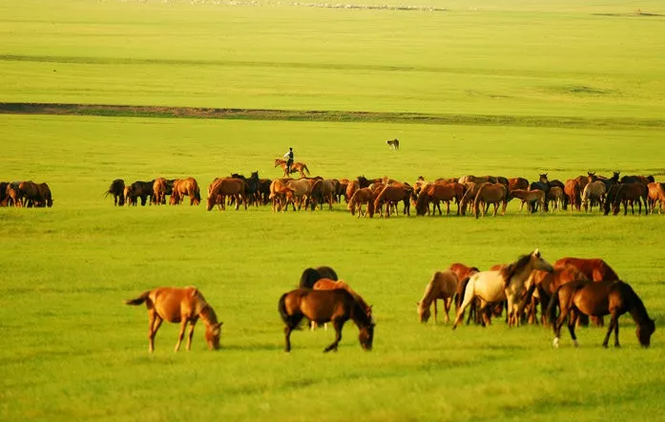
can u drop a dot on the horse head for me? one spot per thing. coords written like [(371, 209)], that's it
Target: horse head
[(424, 312), (366, 336), (213, 332), (644, 332), (539, 263), (543, 177)]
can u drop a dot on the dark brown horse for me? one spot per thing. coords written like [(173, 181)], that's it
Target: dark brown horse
[(625, 193), (137, 190), (185, 306), (544, 284), (518, 183), (613, 297), (311, 275), (117, 189), (321, 306), (295, 168)]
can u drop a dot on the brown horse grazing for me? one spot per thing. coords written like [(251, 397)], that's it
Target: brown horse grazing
[(529, 197), (186, 187), (543, 285), (295, 168), (226, 186), (624, 193), (281, 195), (594, 269), (29, 193), (442, 286), (185, 306), (393, 194), (46, 198), (613, 297), (491, 193), (436, 193), (323, 191), (117, 189), (329, 284), (359, 198), (321, 306)]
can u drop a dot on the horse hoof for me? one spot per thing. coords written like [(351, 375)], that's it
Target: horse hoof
[(555, 342), (575, 343)]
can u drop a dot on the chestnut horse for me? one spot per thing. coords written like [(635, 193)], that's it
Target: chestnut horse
[(613, 297), (529, 197), (656, 195), (358, 199), (491, 193), (330, 284), (594, 269), (543, 284), (321, 306), (442, 286), (219, 189), (185, 306), (393, 194), (187, 186), (504, 284), (295, 168), (435, 193), (574, 193)]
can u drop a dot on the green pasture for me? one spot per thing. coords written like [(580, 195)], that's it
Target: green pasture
[(73, 350)]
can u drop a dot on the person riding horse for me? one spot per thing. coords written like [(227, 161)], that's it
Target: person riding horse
[(289, 160)]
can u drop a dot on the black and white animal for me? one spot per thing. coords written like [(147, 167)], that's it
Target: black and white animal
[(393, 144)]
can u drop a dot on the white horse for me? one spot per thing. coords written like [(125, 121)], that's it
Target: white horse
[(507, 283)]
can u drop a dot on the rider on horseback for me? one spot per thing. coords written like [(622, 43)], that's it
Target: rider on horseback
[(289, 160)]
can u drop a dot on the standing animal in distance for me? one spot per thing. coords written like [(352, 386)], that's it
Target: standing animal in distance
[(183, 305), (393, 144)]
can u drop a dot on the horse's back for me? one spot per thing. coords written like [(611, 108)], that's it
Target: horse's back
[(173, 303), (488, 285), (446, 282)]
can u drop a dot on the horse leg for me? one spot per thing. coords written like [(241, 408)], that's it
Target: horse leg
[(338, 324), (468, 297), (447, 303), (191, 334), (181, 335), (436, 313), (572, 320), (155, 321)]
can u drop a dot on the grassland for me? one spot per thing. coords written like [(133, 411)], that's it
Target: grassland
[(73, 351)]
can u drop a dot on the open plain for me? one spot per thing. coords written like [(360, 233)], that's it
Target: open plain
[(511, 88)]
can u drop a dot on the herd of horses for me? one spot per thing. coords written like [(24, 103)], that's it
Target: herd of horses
[(571, 289), (367, 197), (25, 194)]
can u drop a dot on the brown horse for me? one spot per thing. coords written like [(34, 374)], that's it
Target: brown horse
[(491, 193), (281, 195), (321, 306), (477, 179), (185, 306), (594, 269), (518, 183), (295, 168), (159, 188), (656, 195), (226, 186), (543, 284), (529, 197), (436, 193), (333, 284), (613, 297), (186, 187), (117, 189), (359, 198), (323, 191), (443, 285), (624, 193), (574, 193), (393, 194)]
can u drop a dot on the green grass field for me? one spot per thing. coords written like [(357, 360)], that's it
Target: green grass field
[(73, 350)]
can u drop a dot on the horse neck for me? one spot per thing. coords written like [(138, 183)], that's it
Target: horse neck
[(208, 315), (520, 276), (637, 309), (359, 315), (428, 297)]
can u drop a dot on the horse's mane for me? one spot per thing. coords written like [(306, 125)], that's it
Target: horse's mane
[(507, 272)]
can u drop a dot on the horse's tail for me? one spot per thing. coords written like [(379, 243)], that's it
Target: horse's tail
[(476, 202), (139, 300), (281, 307), (305, 169)]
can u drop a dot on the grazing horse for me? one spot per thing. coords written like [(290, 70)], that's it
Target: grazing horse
[(137, 190), (189, 187), (359, 198), (594, 269), (594, 192), (321, 306), (393, 194), (436, 193), (477, 179), (29, 193), (574, 193), (491, 193), (624, 193), (295, 168), (557, 198), (504, 284), (323, 191), (543, 284), (219, 189), (117, 189), (329, 284), (656, 195), (252, 186), (529, 197), (613, 297), (46, 198), (393, 143), (281, 195), (185, 306), (442, 286)]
